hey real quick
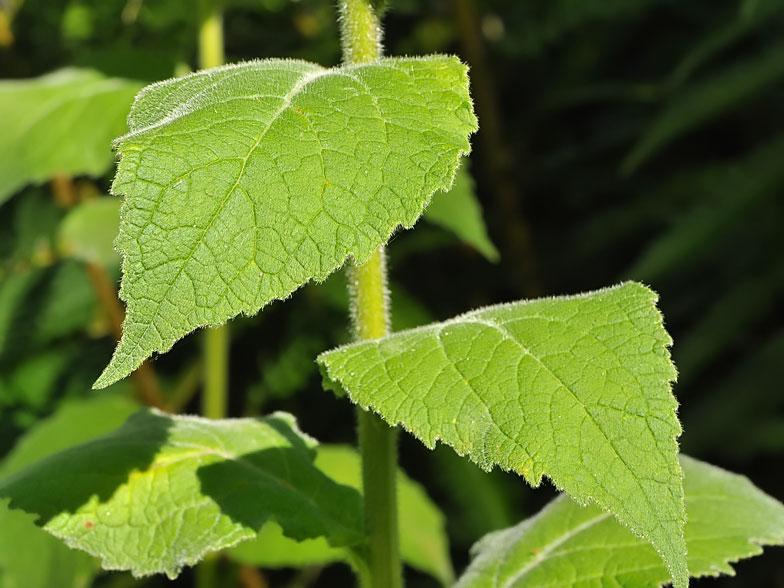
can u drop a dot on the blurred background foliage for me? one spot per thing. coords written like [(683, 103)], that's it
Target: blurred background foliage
[(619, 139)]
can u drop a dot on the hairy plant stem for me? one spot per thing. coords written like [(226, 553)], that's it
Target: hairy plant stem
[(361, 39), (216, 341), (377, 441)]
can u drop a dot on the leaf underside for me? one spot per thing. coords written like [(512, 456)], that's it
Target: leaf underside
[(161, 491), (243, 183), (577, 388), (567, 546)]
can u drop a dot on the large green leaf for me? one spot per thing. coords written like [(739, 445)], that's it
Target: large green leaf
[(577, 388), (423, 541), (244, 182), (161, 491), (63, 122), (567, 546), (30, 557), (459, 211)]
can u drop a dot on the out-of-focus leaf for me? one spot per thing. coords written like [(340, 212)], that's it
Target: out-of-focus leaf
[(747, 394), (288, 371), (459, 211), (161, 491), (703, 102), (41, 305), (757, 177), (74, 422), (29, 556), (568, 546), (27, 229), (423, 541), (727, 321), (576, 388), (63, 122), (87, 233), (272, 549), (753, 15), (31, 382), (477, 501), (547, 23)]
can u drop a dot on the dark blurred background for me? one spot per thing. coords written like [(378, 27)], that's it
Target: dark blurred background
[(619, 139)]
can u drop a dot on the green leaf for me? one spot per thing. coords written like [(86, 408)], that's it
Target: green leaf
[(242, 183), (577, 388), (41, 305), (161, 491), (459, 211), (705, 101), (423, 541), (272, 549), (74, 422), (568, 546), (30, 557), (87, 233), (63, 122)]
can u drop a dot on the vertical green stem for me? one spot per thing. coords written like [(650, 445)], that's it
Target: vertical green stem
[(216, 341), (377, 441), (210, 34), (216, 373), (361, 36)]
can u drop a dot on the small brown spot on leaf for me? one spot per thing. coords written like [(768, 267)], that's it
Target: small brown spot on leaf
[(89, 524)]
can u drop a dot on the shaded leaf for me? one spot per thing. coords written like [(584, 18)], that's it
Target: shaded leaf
[(29, 556), (745, 394), (423, 541), (566, 545), (41, 305), (63, 122), (459, 211), (577, 388), (245, 182), (161, 491)]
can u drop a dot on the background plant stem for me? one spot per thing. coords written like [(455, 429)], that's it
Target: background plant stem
[(361, 39), (211, 34)]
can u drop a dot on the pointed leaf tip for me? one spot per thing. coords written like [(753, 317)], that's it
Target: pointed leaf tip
[(576, 388), (242, 183)]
